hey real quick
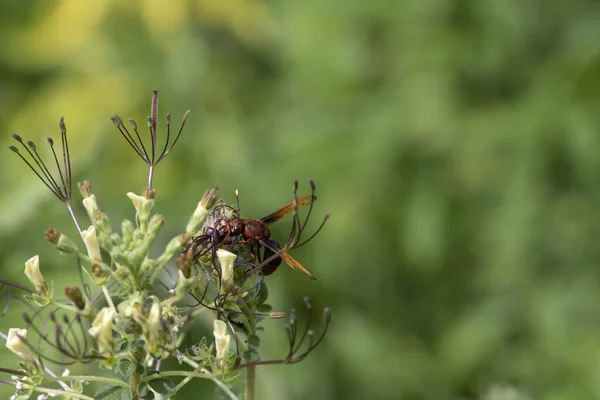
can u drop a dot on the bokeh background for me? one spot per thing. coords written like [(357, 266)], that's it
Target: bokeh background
[(457, 144)]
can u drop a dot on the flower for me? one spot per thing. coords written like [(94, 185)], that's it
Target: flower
[(222, 340), (17, 343), (101, 330), (91, 243), (201, 212), (32, 270), (91, 205), (153, 324), (226, 260), (142, 204)]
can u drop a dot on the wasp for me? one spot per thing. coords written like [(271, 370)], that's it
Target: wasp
[(233, 230)]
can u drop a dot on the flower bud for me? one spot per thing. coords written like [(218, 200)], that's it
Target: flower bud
[(32, 270), (222, 340), (74, 294), (91, 243), (101, 330), (17, 343), (152, 327), (91, 205), (210, 198), (60, 241), (226, 260), (85, 188), (201, 213), (143, 207)]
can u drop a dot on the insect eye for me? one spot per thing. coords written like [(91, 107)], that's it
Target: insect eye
[(235, 230)]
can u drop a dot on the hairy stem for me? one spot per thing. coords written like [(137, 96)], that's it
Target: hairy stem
[(134, 381), (61, 393), (206, 374), (90, 378)]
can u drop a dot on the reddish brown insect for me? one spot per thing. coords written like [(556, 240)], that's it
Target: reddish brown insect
[(256, 233)]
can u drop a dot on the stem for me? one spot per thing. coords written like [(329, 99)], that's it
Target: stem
[(108, 298), (159, 268), (16, 285), (194, 364), (66, 307), (92, 378), (70, 208), (134, 381), (164, 258), (151, 172), (251, 371), (250, 382), (61, 392), (12, 371), (192, 374)]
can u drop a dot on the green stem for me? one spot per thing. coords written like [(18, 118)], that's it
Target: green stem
[(178, 373), (66, 307), (134, 381), (102, 379), (191, 374), (61, 393), (164, 258), (251, 370), (250, 382), (108, 298)]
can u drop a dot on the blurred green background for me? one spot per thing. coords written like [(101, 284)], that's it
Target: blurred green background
[(457, 144)]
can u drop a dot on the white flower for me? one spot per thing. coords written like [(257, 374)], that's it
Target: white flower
[(226, 260), (17, 343), (91, 243), (153, 323), (138, 201), (91, 205), (222, 340), (32, 270), (101, 330)]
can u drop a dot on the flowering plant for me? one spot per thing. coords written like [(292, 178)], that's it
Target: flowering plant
[(131, 311)]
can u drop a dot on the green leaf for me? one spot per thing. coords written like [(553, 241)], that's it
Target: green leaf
[(220, 393), (120, 345), (143, 390), (253, 341), (126, 394), (163, 386), (264, 308), (251, 355), (150, 372), (126, 368), (112, 392), (263, 293)]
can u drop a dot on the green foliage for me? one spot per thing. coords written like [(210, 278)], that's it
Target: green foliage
[(111, 392), (456, 143)]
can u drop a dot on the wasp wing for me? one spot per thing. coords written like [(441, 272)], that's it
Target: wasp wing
[(288, 208)]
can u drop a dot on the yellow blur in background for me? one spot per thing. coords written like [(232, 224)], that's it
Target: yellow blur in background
[(457, 144)]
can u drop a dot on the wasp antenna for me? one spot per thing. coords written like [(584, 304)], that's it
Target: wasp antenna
[(237, 199)]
